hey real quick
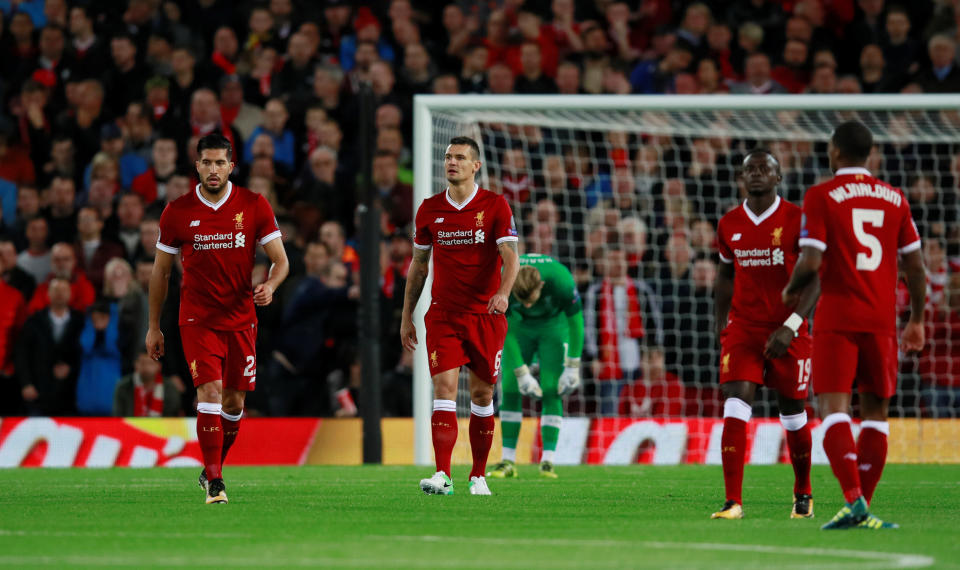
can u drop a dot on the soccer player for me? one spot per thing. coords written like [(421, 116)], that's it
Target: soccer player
[(855, 227), (472, 234), (545, 316), (215, 230), (762, 341)]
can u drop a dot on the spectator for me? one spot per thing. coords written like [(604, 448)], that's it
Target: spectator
[(499, 79), (657, 394), (297, 71), (152, 184), (183, 83), (274, 124), (793, 73), (225, 56), (129, 215), (91, 250), (63, 264), (568, 78), (565, 28), (100, 360), (89, 51), (651, 77), (532, 78), (621, 315), (125, 78), (446, 84), (396, 198), (62, 214), (473, 72), (417, 71), (120, 287), (367, 31), (757, 78), (48, 355), (112, 144), (147, 392), (35, 259), (873, 74), (709, 79), (942, 75), (12, 274), (137, 131), (823, 81), (901, 51), (83, 124), (939, 364), (319, 187), (334, 237), (13, 312), (869, 27), (235, 112), (16, 169)]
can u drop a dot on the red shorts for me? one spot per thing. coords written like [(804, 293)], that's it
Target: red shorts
[(213, 355), (474, 339), (741, 359), (842, 358)]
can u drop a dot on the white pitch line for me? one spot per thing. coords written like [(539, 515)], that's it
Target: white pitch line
[(118, 534), (886, 559)]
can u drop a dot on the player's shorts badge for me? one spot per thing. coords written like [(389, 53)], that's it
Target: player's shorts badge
[(193, 369), (239, 220), (434, 361), (725, 363)]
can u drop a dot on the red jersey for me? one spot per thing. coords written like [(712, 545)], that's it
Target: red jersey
[(217, 243), (464, 238), (860, 224), (764, 250)]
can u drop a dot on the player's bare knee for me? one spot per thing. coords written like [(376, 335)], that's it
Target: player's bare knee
[(741, 390), (233, 402), (209, 392), (789, 406), (481, 395)]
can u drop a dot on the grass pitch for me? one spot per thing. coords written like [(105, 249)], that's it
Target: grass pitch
[(376, 517)]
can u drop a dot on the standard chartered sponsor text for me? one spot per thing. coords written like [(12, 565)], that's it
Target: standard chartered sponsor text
[(213, 241)]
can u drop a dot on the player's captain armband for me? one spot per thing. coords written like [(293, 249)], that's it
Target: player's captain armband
[(793, 323)]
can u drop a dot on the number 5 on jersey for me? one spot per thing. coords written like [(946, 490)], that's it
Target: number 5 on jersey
[(862, 217)]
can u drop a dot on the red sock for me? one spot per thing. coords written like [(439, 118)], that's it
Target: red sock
[(481, 437), (733, 445), (210, 437), (842, 452), (231, 428), (871, 455), (444, 427), (799, 444)]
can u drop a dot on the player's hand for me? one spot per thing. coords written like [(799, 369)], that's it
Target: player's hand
[(789, 299), (570, 379), (154, 343), (263, 294), (778, 342), (913, 337), (408, 334), (527, 384), (497, 304)]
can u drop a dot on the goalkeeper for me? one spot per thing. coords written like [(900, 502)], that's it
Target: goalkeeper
[(545, 320)]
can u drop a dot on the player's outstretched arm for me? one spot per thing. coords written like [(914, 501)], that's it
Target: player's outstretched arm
[(279, 268), (913, 334), (722, 296), (159, 281), (804, 272), (511, 266), (779, 340), (416, 278)]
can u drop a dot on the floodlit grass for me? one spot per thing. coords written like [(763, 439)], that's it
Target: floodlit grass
[(376, 517)]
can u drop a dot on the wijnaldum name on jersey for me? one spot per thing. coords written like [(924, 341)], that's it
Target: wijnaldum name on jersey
[(860, 189)]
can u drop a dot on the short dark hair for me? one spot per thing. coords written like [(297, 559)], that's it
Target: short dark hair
[(215, 141), (853, 140), (470, 143), (762, 150)]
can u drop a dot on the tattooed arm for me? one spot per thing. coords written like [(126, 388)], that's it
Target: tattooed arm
[(416, 278)]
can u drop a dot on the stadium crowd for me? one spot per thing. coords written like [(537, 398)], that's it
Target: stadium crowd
[(103, 103)]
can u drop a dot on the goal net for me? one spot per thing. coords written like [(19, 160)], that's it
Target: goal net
[(631, 189)]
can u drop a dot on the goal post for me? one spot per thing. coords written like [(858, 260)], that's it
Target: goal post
[(655, 173)]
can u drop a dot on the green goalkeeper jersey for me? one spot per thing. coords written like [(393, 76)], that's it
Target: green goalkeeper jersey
[(558, 297)]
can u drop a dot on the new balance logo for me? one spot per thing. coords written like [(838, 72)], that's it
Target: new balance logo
[(438, 221), (736, 237), (194, 223)]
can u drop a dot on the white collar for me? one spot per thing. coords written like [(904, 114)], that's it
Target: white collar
[(222, 201), (757, 220), (462, 205), (852, 170)]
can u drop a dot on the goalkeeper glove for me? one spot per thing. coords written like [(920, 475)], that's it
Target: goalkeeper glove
[(570, 379), (527, 383)]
